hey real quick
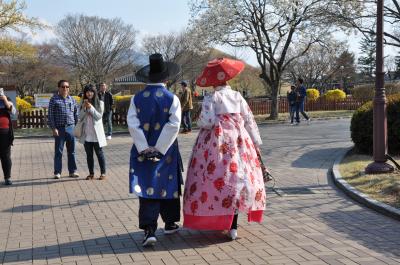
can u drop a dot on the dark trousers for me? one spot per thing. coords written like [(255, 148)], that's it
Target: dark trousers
[(300, 109), (234, 221), (149, 209), (186, 120), (65, 136), (89, 147), (5, 154), (107, 121), (292, 111)]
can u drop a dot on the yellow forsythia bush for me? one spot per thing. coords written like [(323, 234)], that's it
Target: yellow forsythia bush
[(122, 102), (29, 99), (122, 98), (23, 105), (77, 99), (312, 94), (335, 95)]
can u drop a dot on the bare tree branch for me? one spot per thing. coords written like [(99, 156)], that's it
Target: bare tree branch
[(278, 31), (95, 47)]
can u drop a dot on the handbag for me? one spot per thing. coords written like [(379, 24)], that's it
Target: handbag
[(78, 130), (266, 175)]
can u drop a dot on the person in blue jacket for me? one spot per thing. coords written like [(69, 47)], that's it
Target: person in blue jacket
[(154, 119), (301, 98)]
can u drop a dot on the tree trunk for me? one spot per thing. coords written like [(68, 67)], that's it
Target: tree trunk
[(274, 103), (21, 92)]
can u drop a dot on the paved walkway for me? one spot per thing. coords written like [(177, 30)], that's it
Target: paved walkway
[(68, 221)]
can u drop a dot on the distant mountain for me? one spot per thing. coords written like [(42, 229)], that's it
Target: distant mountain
[(140, 58)]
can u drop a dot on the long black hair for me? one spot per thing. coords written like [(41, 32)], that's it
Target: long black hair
[(95, 101)]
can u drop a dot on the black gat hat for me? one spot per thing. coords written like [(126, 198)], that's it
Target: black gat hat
[(158, 70)]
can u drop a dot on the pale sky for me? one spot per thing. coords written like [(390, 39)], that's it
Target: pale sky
[(155, 16), (146, 16)]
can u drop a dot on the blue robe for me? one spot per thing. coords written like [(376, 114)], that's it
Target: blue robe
[(148, 179)]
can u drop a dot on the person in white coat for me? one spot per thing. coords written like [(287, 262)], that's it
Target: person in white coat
[(224, 175), (93, 136)]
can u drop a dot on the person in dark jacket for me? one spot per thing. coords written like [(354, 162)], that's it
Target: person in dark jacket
[(6, 135), (292, 96), (108, 100), (301, 98)]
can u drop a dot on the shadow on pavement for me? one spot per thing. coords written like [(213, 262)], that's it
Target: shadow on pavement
[(316, 158), (38, 182), (117, 244), (41, 207)]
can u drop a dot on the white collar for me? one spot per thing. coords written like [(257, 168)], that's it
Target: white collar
[(156, 84), (219, 88)]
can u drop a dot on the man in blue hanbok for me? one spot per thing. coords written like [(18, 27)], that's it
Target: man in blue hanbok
[(155, 176)]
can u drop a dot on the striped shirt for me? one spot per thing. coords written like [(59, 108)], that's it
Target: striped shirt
[(62, 111)]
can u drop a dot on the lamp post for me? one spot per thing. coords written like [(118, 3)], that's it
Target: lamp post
[(341, 77), (380, 144)]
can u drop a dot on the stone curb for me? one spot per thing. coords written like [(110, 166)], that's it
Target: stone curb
[(194, 128), (312, 119), (359, 196)]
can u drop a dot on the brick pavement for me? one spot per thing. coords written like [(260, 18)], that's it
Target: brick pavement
[(68, 221)]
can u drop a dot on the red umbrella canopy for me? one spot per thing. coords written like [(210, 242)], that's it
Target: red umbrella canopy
[(218, 71)]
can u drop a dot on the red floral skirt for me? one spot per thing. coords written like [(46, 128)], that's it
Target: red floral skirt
[(224, 176)]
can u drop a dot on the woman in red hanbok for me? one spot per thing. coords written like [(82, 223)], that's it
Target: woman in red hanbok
[(224, 174)]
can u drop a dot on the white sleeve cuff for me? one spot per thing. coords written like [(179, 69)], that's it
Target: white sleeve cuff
[(171, 128), (139, 139)]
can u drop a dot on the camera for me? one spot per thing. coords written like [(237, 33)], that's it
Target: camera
[(2, 106)]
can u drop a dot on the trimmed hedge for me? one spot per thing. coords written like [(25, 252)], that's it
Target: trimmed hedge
[(362, 126), (363, 92), (367, 91)]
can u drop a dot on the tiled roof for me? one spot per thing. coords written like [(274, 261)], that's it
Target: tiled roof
[(127, 79)]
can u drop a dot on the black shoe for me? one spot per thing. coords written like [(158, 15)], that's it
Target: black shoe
[(149, 238), (7, 182), (171, 228)]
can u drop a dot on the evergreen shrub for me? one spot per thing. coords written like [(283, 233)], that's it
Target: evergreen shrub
[(362, 126)]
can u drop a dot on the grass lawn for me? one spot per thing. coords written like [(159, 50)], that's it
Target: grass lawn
[(32, 132), (384, 188)]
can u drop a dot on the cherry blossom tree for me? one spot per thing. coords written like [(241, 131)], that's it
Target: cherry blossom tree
[(277, 31), (319, 66), (365, 20)]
